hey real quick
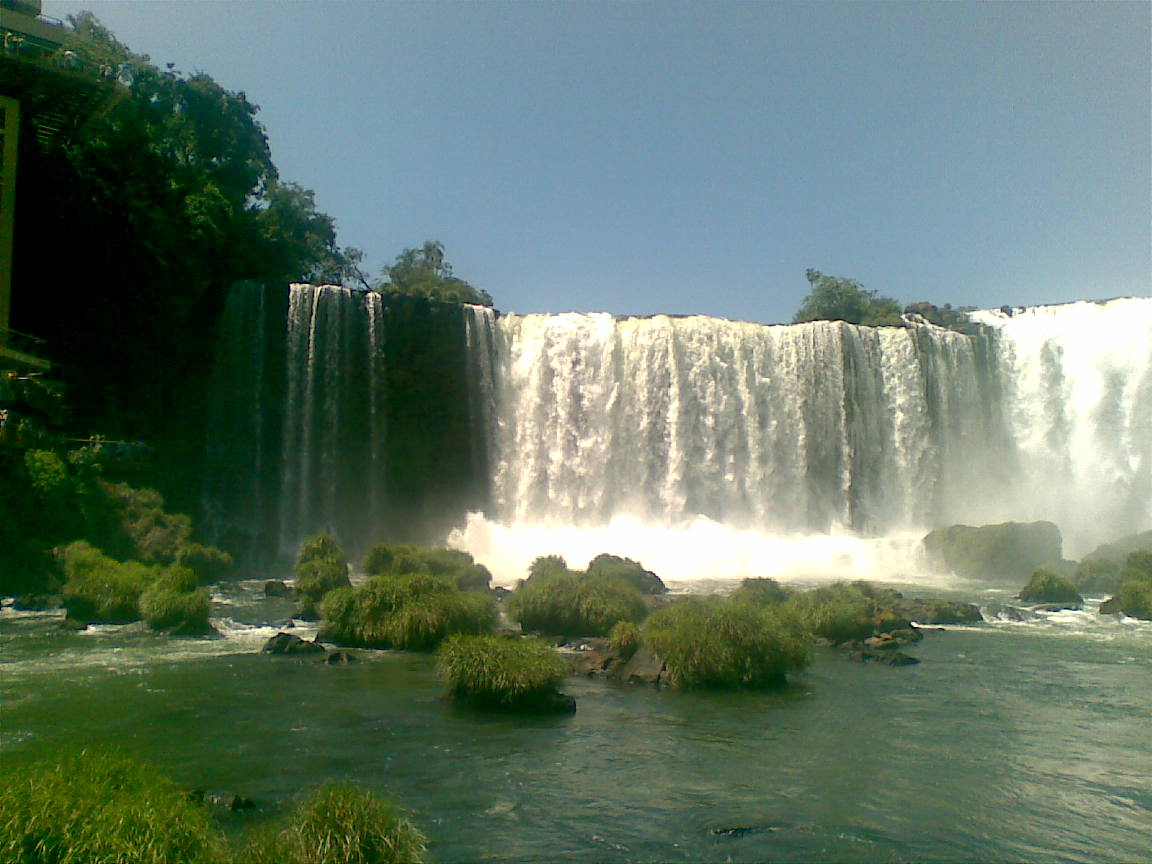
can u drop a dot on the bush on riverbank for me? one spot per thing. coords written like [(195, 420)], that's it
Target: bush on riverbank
[(100, 807), (405, 611), (556, 600), (1135, 595), (340, 823), (459, 567), (1044, 586), (760, 592), (504, 673), (713, 642)]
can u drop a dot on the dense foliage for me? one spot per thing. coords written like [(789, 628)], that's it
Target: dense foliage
[(556, 600), (714, 642), (834, 298), (1044, 586), (414, 611), (425, 272), (1135, 595), (499, 671), (321, 567), (458, 567), (93, 807)]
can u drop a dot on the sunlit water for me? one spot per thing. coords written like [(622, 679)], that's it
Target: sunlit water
[(1013, 740)]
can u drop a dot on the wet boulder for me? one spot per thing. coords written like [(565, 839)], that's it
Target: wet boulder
[(287, 643), (1005, 553), (277, 588)]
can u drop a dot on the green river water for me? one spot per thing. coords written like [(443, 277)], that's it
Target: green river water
[(1010, 741)]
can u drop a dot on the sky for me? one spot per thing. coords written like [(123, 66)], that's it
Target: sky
[(698, 158)]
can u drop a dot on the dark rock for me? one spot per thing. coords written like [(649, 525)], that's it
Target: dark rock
[(277, 588), (72, 624), (941, 612), (1006, 553), (1057, 607), (227, 801), (1111, 606), (339, 658), (287, 643), (888, 658)]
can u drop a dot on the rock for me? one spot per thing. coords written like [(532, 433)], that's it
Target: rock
[(645, 580), (1111, 606), (940, 612), (644, 668), (888, 658), (73, 625), (1058, 607), (287, 643), (228, 801), (277, 588), (36, 602), (339, 658), (1006, 553)]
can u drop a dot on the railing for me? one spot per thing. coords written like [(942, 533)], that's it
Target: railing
[(63, 58)]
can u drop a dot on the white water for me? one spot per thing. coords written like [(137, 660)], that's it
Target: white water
[(715, 449)]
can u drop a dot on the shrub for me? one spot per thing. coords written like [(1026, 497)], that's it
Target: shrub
[(1135, 598), (714, 642), (316, 578), (1098, 574), (207, 562), (500, 672), (546, 565), (838, 612), (458, 566), (100, 808), (340, 823), (155, 535), (321, 547), (559, 601), (174, 600), (624, 639), (98, 588), (760, 592), (407, 611), (1048, 587)]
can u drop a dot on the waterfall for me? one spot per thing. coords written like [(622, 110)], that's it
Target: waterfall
[(818, 448)]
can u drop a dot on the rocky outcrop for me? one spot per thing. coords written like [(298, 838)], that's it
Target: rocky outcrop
[(1006, 553), (277, 588), (645, 581), (287, 643)]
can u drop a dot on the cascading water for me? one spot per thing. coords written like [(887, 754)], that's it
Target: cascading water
[(704, 447)]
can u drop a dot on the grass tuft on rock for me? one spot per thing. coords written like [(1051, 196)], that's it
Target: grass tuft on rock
[(91, 807), (1047, 587), (458, 567), (175, 601), (321, 566), (713, 642), (409, 611), (505, 673), (839, 612), (556, 600), (100, 589), (340, 823)]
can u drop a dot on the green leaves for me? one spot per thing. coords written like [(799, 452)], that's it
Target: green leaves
[(834, 298)]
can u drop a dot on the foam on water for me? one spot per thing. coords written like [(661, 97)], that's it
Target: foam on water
[(701, 550)]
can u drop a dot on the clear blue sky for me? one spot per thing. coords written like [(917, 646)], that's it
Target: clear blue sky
[(697, 157)]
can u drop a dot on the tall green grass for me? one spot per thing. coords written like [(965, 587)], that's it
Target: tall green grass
[(101, 589), (838, 612), (174, 600), (408, 611), (340, 823), (459, 567), (321, 566), (93, 808), (714, 642), (556, 600), (500, 671)]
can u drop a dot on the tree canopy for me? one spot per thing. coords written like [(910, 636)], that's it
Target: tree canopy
[(834, 298), (425, 272)]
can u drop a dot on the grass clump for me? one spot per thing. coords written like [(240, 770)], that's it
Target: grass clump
[(839, 612), (321, 566), (100, 808), (341, 823), (501, 672), (760, 592), (557, 600), (633, 572), (624, 639), (407, 611), (1047, 587), (459, 567), (174, 601), (1135, 596), (713, 642), (100, 589)]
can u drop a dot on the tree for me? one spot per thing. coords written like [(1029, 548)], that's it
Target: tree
[(425, 272), (834, 298)]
